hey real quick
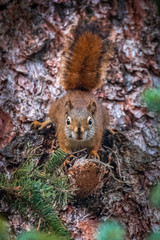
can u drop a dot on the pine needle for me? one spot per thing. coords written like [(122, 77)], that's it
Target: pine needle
[(36, 192), (56, 160)]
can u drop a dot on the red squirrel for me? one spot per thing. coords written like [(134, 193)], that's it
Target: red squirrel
[(78, 116)]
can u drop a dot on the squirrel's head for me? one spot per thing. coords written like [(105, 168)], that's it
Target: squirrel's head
[(80, 122)]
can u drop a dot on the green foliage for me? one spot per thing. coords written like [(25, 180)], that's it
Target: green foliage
[(4, 233), (158, 6), (110, 230), (154, 236), (62, 190), (35, 235), (37, 191), (56, 160), (155, 196), (155, 200), (35, 195), (152, 99)]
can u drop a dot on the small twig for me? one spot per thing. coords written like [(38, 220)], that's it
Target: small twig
[(119, 165), (102, 163), (32, 151), (79, 151), (39, 224), (118, 180), (105, 147), (9, 190), (29, 156), (118, 162)]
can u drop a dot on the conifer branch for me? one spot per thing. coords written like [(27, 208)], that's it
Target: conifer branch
[(38, 191)]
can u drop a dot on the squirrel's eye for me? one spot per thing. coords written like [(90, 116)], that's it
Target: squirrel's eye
[(68, 121), (90, 121)]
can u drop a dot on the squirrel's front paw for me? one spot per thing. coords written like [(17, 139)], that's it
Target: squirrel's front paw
[(35, 125), (38, 125), (93, 154), (113, 131)]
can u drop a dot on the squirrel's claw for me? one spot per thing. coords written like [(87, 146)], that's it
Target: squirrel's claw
[(93, 154)]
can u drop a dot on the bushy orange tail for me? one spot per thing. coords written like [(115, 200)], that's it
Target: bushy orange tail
[(84, 65)]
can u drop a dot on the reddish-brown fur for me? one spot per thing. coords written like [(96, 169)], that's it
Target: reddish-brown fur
[(80, 100), (83, 69)]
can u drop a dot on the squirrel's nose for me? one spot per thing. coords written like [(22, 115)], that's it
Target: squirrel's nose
[(79, 130)]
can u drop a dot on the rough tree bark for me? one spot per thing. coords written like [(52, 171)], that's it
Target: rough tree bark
[(31, 41)]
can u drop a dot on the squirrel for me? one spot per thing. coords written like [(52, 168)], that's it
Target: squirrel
[(78, 116)]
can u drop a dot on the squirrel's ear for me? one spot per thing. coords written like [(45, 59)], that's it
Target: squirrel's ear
[(68, 106), (92, 107)]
